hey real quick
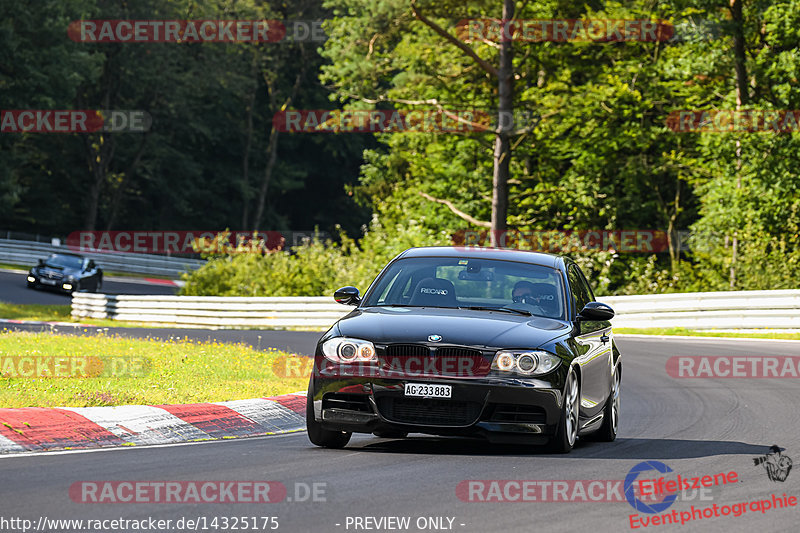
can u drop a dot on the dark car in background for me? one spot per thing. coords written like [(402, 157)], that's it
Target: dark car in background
[(66, 273), (506, 345)]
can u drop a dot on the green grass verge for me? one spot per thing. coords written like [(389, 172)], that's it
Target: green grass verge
[(9, 266), (172, 372), (35, 312), (61, 313), (692, 333)]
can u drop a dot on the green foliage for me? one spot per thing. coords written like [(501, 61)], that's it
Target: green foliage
[(601, 157), (211, 105), (313, 269)]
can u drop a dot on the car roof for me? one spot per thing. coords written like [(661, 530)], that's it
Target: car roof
[(521, 256)]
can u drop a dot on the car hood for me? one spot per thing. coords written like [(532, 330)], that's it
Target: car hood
[(484, 329), (66, 271)]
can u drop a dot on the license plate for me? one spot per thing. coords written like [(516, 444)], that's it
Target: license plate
[(48, 281), (425, 390)]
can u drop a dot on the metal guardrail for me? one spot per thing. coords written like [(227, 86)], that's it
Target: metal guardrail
[(778, 309), (29, 253), (706, 310), (211, 311)]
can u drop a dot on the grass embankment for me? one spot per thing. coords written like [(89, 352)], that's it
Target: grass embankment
[(55, 313), (134, 371), (61, 313), (692, 333)]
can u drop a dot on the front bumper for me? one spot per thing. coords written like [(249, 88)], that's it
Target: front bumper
[(62, 285), (498, 408)]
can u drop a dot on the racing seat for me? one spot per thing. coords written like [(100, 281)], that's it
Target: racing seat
[(548, 299), (434, 292)]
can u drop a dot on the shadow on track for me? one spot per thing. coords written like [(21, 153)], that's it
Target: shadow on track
[(622, 448)]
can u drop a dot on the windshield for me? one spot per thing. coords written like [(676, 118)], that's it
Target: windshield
[(454, 282), (64, 261)]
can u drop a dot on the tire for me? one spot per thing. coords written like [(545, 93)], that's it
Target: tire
[(567, 430), (391, 434), (319, 436), (608, 431), (99, 285)]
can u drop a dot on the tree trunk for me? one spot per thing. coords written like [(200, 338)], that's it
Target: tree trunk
[(248, 142), (119, 189), (99, 160), (262, 194), (741, 100), (502, 143)]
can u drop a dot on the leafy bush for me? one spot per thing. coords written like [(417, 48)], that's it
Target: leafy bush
[(313, 269)]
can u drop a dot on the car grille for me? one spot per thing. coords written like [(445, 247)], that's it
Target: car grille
[(419, 359), (429, 412), (351, 402), (527, 414), (407, 350), (456, 351), (52, 275)]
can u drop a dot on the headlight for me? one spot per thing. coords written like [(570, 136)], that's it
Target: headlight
[(346, 350), (527, 363)]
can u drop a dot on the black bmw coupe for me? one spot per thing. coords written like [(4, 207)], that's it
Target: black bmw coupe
[(66, 273), (502, 344)]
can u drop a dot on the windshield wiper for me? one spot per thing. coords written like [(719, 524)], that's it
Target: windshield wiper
[(409, 305), (501, 309)]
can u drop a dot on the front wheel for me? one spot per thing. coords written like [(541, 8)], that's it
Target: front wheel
[(319, 436), (567, 430)]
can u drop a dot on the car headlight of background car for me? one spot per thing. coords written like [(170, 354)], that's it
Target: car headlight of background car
[(525, 362), (347, 350)]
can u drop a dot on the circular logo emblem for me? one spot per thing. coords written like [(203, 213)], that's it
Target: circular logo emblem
[(630, 481), (434, 338)]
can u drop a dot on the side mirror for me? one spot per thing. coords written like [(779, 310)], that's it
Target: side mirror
[(41, 262), (596, 311), (347, 296), (91, 265)]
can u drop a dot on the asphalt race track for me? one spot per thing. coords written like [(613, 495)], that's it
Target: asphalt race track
[(13, 289), (300, 342), (695, 426)]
